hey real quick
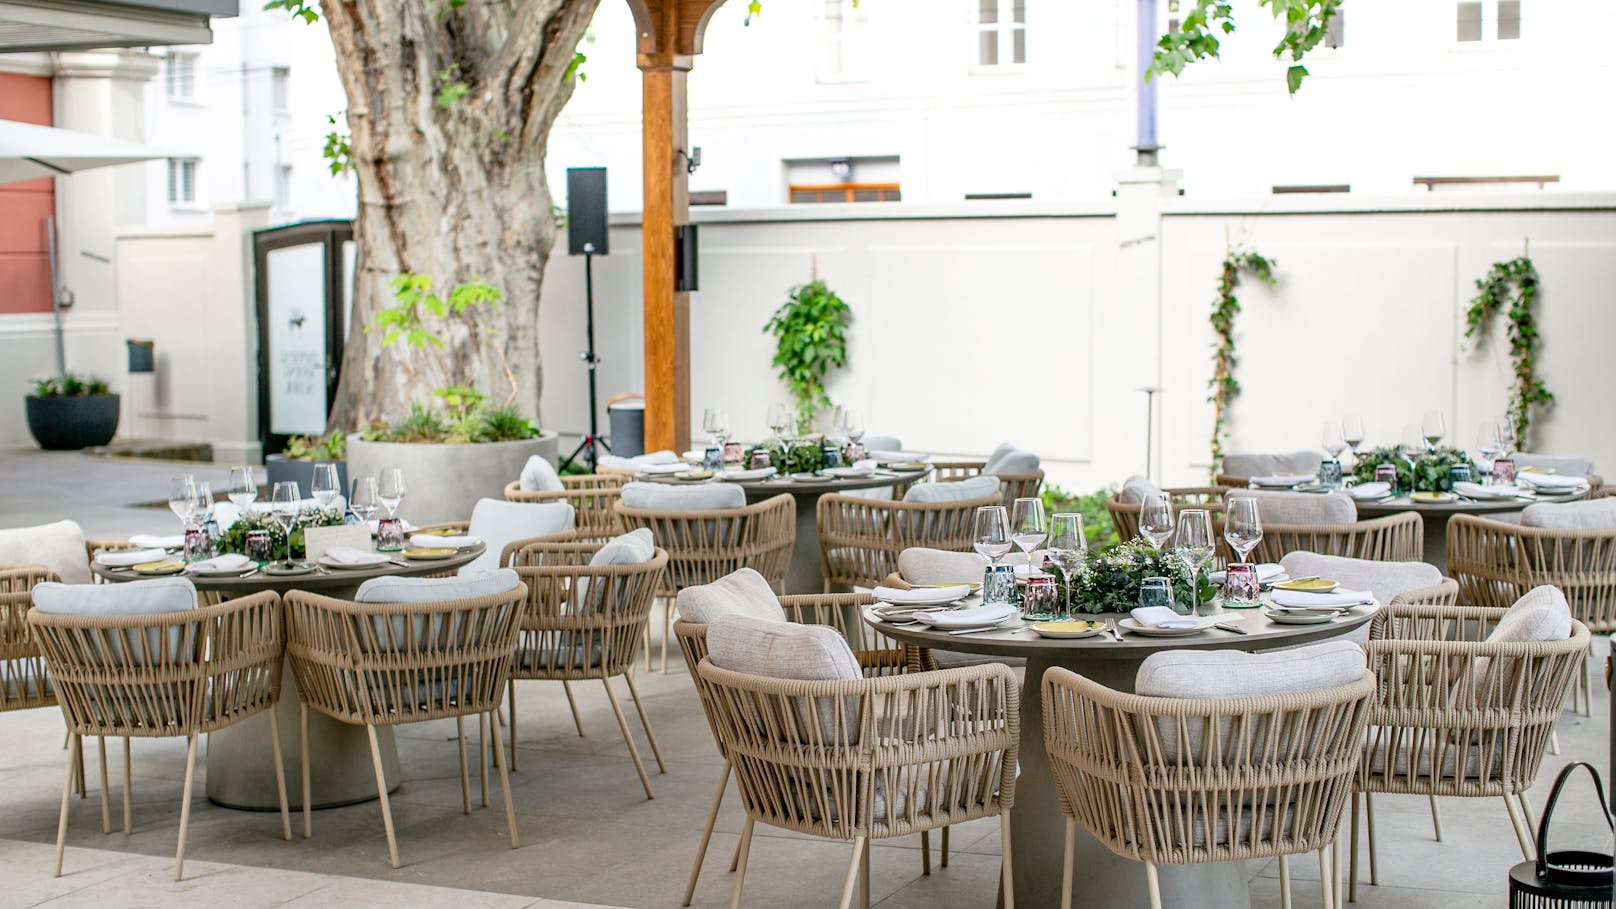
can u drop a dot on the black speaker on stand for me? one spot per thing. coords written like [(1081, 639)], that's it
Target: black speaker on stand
[(586, 236)]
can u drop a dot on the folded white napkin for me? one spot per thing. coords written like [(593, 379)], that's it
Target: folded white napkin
[(1298, 599), (888, 455), (657, 469), (1373, 490), (347, 555), (898, 596), (1549, 481), (123, 558), (864, 468), (1478, 491), (756, 473), (1266, 571), (375, 525), (230, 561), (436, 541), (956, 618), (694, 455), (153, 541), (1283, 480), (1162, 617)]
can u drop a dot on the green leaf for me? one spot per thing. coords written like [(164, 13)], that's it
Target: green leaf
[(1294, 76)]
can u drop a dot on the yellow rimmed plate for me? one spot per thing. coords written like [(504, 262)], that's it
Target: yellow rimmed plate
[(1067, 630), (425, 554), (693, 475), (1308, 585), (165, 566), (1429, 497)]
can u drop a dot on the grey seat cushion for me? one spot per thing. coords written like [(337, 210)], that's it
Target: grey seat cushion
[(787, 650), (539, 475), (1007, 458), (1565, 466), (1384, 579), (58, 546), (155, 596), (500, 523), (630, 548), (698, 497), (963, 490), (1235, 674), (919, 565), (743, 593), (435, 590), (1594, 514), (1278, 507), (1135, 488), (881, 443), (1272, 464)]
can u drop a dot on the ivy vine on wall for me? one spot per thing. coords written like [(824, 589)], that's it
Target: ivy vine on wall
[(1225, 387), (811, 334), (1511, 287)]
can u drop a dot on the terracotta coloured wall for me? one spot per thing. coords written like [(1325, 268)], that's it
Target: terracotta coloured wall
[(24, 266)]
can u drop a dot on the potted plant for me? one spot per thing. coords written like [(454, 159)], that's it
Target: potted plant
[(810, 331), (456, 446), (296, 463), (69, 412)]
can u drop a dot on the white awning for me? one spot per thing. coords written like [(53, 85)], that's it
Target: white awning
[(28, 151), (50, 25)]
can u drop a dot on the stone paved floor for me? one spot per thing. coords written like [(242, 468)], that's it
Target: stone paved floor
[(588, 835)]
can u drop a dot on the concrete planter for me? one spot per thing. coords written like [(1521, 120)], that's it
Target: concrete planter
[(281, 469), (443, 482), (71, 423)]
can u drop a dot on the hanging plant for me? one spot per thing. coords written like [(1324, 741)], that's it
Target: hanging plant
[(1225, 387), (1511, 287), (810, 330)]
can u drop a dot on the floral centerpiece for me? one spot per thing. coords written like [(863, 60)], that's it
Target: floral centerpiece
[(1430, 471), (1109, 580), (802, 456), (234, 537)]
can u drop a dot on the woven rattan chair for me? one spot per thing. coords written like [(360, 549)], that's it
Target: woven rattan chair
[(174, 674), (1496, 563), (1120, 772), (1393, 538), (704, 545), (884, 767), (585, 623), (1012, 486), (1125, 515), (388, 664), (877, 655), (592, 496), (1478, 715), (860, 539)]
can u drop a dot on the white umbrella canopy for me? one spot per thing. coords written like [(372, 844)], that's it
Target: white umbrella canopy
[(28, 151)]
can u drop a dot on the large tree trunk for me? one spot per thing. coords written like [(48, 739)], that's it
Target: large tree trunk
[(455, 192)]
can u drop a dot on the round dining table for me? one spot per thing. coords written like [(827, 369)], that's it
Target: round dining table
[(240, 774), (1037, 827), (1436, 515), (805, 574)]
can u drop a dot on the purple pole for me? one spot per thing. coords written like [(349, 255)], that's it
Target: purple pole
[(1146, 99)]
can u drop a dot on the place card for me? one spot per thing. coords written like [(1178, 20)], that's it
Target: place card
[(318, 540)]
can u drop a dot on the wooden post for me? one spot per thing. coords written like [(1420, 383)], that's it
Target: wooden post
[(667, 207)]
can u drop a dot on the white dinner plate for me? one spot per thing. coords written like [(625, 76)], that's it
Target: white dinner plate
[(968, 626), (329, 562), (1131, 626), (222, 573), (923, 602), (1301, 617)]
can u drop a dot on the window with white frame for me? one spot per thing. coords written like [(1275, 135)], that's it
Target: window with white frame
[(1001, 34), (182, 181), (844, 31), (280, 83), (1488, 20), (283, 186), (179, 76)]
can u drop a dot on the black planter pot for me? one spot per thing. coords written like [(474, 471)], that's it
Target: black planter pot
[(281, 469), (71, 423)]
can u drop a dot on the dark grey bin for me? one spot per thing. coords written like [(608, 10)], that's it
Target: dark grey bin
[(625, 417)]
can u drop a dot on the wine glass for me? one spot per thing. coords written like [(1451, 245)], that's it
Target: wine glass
[(715, 423), (992, 529), (364, 501), (390, 489), (324, 486), (1506, 436), (243, 489), (203, 511), (1409, 448), (1028, 528), (1068, 546), (1352, 431), (1156, 519), (1192, 545), (1334, 441), (1433, 428), (1242, 526), (1489, 443), (182, 499), (284, 505), (779, 419)]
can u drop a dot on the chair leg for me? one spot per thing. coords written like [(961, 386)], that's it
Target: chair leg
[(106, 807), (1436, 818), (864, 876), (1326, 880), (303, 728), (381, 793), (1337, 885), (128, 791), (706, 835), (667, 632), (67, 797), (185, 806), (1352, 854), (925, 852), (511, 696), (504, 783), (1006, 865), (740, 869), (1554, 742), (648, 621), (1515, 821), (1154, 885), (628, 739), (1585, 681), (465, 778), (280, 772), (576, 721), (80, 783), (650, 733), (1526, 815), (483, 722), (1369, 823), (847, 883), (1285, 882), (943, 850), (1068, 863)]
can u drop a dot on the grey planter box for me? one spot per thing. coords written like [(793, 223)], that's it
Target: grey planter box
[(444, 482), (281, 469)]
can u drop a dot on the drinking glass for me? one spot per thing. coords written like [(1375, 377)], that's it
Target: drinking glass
[(204, 503), (852, 425), (715, 423), (1242, 526), (1334, 441), (243, 488), (285, 505), (390, 489), (1028, 528), (364, 501), (1156, 519), (1156, 592), (324, 486), (1192, 545), (1489, 444), (1068, 546), (182, 498), (1433, 428), (1506, 436), (1352, 431), (779, 418), (1409, 448), (992, 529)]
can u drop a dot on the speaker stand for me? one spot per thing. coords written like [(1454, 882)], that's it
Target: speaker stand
[(592, 439)]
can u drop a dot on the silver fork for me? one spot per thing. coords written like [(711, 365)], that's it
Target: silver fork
[(1116, 635)]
